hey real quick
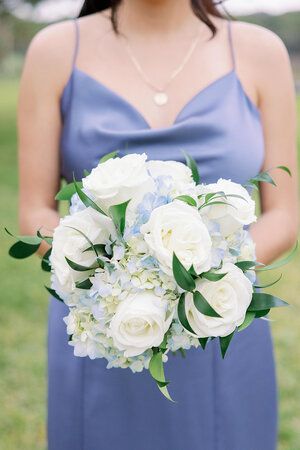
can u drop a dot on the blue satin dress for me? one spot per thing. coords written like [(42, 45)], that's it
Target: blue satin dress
[(221, 405)]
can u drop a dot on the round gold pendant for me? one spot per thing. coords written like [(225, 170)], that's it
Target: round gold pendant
[(160, 98)]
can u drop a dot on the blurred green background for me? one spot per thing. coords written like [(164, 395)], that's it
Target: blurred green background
[(23, 306)]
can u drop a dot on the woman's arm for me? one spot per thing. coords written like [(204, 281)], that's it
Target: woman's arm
[(45, 72), (277, 228)]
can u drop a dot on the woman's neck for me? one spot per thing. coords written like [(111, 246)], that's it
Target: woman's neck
[(157, 17)]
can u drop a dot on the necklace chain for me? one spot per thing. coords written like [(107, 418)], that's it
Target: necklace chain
[(160, 97)]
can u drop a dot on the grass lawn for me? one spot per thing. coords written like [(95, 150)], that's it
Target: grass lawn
[(23, 316)]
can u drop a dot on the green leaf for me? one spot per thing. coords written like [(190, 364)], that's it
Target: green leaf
[(262, 301), (86, 173), (213, 276), (182, 314), (163, 345), (264, 286), (203, 342), (203, 306), (99, 249), (246, 265), (187, 199), (45, 263), (192, 271), (190, 162), (86, 284), (262, 177), (182, 352), (20, 250), (250, 316), (224, 343), (109, 156), (281, 262), (286, 169), (92, 246), (182, 277), (263, 313), (29, 240), (78, 267), (48, 239), (210, 196), (118, 215), (67, 191), (156, 369), (54, 294), (87, 201)]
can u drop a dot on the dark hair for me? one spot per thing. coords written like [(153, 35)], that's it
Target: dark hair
[(201, 9)]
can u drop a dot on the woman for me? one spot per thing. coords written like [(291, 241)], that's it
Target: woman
[(161, 76)]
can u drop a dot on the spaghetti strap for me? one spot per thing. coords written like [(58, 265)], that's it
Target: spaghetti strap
[(230, 39), (77, 41)]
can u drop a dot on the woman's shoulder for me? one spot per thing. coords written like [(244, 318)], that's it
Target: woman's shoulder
[(52, 48), (260, 45)]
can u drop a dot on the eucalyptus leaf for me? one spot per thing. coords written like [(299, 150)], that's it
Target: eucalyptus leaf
[(54, 294), (187, 199), (182, 314), (285, 169), (45, 263), (190, 162), (79, 267), (48, 239), (263, 313), (192, 271), (203, 306), (108, 156), (20, 250), (246, 265), (92, 246), (281, 262), (262, 177), (203, 342), (67, 191), (264, 286), (87, 201), (250, 316), (86, 284), (224, 343), (118, 215), (212, 195), (217, 202), (182, 352), (213, 276), (163, 345), (156, 369), (182, 277), (29, 240), (99, 249), (262, 301)]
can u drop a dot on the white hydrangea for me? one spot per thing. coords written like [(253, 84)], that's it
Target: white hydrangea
[(129, 303)]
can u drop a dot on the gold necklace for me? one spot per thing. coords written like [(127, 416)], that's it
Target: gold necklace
[(160, 96)]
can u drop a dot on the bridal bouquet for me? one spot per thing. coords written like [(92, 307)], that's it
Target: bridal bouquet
[(151, 261)]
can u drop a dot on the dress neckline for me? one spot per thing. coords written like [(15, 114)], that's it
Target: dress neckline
[(230, 75)]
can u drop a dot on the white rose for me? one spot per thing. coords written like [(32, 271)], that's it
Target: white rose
[(119, 180), (230, 218), (179, 172), (69, 243), (140, 323), (230, 297), (178, 228)]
